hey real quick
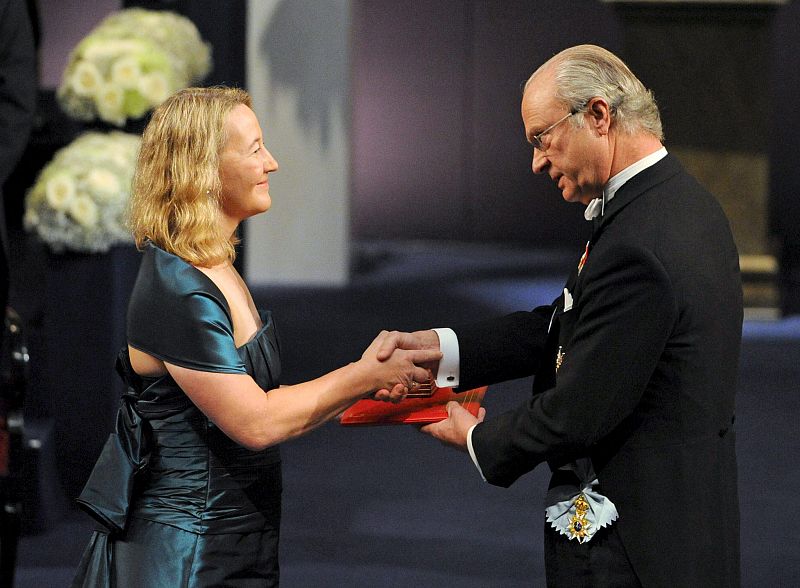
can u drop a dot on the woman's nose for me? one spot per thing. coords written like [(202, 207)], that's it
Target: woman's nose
[(270, 163)]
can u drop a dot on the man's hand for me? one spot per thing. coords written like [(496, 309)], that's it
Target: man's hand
[(453, 430), (400, 340)]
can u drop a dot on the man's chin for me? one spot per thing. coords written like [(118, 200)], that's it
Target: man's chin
[(576, 197), (569, 196)]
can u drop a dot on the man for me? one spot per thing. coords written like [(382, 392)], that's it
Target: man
[(635, 363)]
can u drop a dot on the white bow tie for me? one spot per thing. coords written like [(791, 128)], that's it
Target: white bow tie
[(594, 209)]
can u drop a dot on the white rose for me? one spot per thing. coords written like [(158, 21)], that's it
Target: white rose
[(86, 79), (84, 211), (60, 191), (109, 101), (103, 184), (104, 49), (151, 20), (119, 160), (31, 218), (154, 87), (125, 72)]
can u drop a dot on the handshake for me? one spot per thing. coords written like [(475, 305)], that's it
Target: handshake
[(406, 365), (415, 355)]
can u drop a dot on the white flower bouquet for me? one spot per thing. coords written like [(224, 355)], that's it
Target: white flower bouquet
[(79, 199), (130, 63)]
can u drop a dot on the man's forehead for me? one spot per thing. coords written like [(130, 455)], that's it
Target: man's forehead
[(539, 93), (537, 109)]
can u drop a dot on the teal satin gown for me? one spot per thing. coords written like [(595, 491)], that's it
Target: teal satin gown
[(182, 505)]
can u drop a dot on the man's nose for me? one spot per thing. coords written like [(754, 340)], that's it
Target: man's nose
[(539, 163)]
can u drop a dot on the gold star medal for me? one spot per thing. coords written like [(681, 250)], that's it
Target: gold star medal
[(578, 525)]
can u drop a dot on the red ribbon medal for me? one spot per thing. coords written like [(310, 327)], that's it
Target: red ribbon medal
[(583, 257)]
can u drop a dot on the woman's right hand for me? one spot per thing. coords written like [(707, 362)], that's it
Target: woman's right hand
[(401, 371)]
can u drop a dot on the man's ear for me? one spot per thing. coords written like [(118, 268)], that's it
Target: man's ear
[(599, 115)]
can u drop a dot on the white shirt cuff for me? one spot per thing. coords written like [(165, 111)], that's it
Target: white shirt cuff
[(472, 451), (448, 374)]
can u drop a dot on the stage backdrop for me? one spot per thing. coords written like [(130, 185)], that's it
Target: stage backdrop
[(298, 71)]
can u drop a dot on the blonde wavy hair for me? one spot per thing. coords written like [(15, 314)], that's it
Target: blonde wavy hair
[(175, 200), (584, 72)]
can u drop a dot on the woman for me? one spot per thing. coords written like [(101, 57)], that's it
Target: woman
[(206, 509)]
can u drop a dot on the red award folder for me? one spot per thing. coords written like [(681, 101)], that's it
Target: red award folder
[(426, 405)]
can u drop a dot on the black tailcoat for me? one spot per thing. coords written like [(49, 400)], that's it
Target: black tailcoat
[(647, 383)]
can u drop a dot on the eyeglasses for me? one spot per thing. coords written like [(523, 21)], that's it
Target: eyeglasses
[(536, 140)]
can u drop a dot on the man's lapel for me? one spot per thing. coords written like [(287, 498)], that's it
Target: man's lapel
[(635, 187)]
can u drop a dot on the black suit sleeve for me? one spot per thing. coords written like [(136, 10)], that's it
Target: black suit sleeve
[(502, 349), (623, 320)]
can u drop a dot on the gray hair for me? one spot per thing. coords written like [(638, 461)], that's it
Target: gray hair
[(588, 71)]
